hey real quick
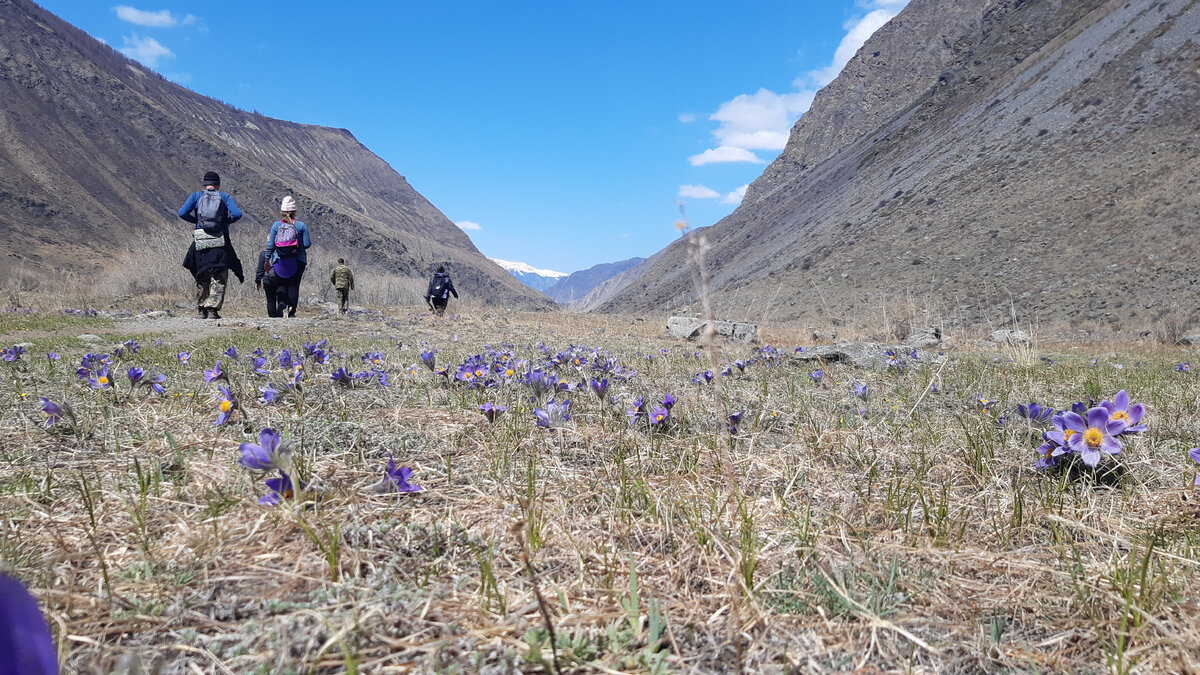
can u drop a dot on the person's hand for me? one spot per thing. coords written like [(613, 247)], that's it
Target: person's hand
[(258, 285)]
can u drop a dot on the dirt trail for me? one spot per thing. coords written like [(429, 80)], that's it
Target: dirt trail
[(188, 327)]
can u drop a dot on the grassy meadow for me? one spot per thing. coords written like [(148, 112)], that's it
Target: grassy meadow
[(901, 530)]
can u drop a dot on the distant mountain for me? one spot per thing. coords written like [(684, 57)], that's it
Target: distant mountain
[(530, 275), (575, 287), (976, 161), (97, 152)]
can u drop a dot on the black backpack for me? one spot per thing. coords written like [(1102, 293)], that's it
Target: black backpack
[(439, 286), (211, 212)]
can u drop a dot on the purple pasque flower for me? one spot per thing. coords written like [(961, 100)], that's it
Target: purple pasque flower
[(372, 358), (158, 382), (1185, 367), (183, 357), (286, 360), (703, 378), (893, 359), (637, 412), (281, 488), (378, 375), (860, 390), (260, 366), (541, 383), (668, 401), (734, 420), (817, 376), (1194, 453), (271, 452), (52, 411), (913, 354), (985, 404), (26, 645), (135, 375), (554, 415), (340, 376), (599, 387), (659, 416), (428, 357), (1034, 412), (231, 352), (99, 379), (1131, 415), (215, 374), (490, 411), (226, 404), (395, 479), (1093, 436), (13, 353), (269, 394)]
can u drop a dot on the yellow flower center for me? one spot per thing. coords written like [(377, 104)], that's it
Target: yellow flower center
[(1068, 433), (510, 372), (226, 406), (1093, 437), (102, 379), (1121, 415)]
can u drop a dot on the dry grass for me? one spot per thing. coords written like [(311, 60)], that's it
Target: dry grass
[(915, 538)]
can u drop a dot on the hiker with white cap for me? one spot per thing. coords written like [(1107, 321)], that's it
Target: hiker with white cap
[(287, 248)]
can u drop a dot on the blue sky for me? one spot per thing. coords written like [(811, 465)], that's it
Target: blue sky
[(560, 134)]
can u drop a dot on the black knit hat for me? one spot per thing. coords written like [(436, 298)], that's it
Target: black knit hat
[(212, 178)]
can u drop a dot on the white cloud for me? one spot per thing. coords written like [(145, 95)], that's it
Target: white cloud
[(698, 192), (759, 121), (687, 118), (140, 17), (148, 51), (468, 225), (724, 154), (763, 120), (857, 33), (736, 196)]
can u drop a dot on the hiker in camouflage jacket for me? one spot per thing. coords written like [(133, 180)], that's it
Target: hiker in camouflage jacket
[(343, 280)]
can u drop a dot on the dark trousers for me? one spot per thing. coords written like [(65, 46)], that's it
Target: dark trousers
[(290, 291), (276, 299), (343, 299), (439, 305)]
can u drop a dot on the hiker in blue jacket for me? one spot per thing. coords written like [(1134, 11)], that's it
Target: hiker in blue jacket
[(211, 254), (288, 246), (212, 183)]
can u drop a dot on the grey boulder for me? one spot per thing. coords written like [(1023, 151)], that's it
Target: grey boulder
[(690, 328)]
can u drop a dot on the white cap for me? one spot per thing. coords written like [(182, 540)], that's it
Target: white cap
[(288, 204)]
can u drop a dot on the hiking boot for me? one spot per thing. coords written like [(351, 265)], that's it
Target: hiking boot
[(212, 314), (201, 313)]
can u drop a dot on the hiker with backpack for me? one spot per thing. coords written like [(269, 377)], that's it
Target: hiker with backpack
[(440, 288), (287, 246), (211, 254), (265, 279)]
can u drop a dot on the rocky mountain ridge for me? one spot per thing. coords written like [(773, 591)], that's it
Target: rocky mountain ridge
[(96, 150), (1038, 164), (573, 290)]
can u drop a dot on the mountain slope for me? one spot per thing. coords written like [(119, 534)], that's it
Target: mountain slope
[(577, 285), (95, 150), (1046, 170)]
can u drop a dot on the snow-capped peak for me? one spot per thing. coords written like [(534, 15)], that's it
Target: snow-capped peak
[(525, 268)]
